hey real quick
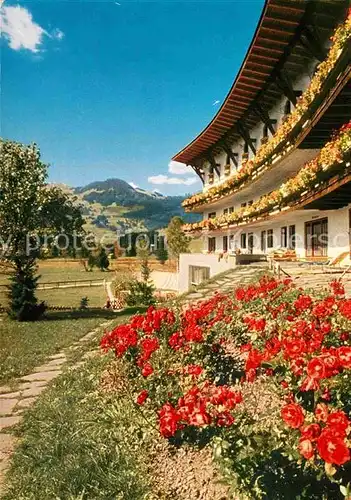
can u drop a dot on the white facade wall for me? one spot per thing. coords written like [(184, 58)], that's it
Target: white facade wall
[(338, 232), (214, 262)]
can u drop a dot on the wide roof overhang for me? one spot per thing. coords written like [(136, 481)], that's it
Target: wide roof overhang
[(279, 29)]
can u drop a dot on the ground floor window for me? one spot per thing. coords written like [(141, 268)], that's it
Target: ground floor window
[(250, 242), (270, 238), (292, 237), (225, 243), (263, 241), (284, 237), (198, 274), (243, 240), (316, 238), (212, 244)]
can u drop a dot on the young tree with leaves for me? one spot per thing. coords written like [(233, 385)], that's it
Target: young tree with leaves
[(177, 241), (30, 213)]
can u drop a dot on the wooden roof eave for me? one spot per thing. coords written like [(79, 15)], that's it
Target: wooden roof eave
[(243, 82)]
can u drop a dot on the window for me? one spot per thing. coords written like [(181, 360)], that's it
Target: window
[(243, 240), (249, 203), (284, 237), (225, 243), (292, 237), (270, 238), (263, 241), (243, 205), (212, 215), (246, 148), (225, 211), (250, 242), (198, 274), (212, 244), (231, 210), (316, 238)]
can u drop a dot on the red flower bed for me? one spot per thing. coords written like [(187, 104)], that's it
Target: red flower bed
[(298, 341)]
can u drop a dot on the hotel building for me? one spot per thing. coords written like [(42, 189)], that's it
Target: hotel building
[(275, 160)]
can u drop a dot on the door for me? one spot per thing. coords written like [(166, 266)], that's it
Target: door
[(211, 244), (250, 242), (316, 238)]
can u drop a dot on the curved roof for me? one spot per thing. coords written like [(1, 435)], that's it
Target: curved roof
[(274, 33)]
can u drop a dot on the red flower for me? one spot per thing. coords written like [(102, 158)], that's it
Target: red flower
[(194, 370), (332, 449), (311, 431), (199, 418), (345, 308), (321, 412), (225, 419), (303, 303), (147, 370), (168, 420), (316, 368), (338, 421), (310, 384), (142, 397), (293, 415), (305, 448), (344, 355), (176, 341)]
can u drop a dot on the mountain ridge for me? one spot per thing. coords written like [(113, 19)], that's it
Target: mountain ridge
[(113, 204)]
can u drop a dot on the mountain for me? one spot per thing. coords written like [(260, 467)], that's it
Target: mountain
[(114, 204)]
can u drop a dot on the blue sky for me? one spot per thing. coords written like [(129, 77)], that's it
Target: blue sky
[(110, 90)]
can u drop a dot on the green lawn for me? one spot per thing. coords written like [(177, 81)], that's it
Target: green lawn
[(80, 442), (72, 296), (26, 345), (72, 271), (68, 297)]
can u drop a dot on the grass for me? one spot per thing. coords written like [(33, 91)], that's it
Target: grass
[(26, 345), (72, 296), (66, 271), (80, 442)]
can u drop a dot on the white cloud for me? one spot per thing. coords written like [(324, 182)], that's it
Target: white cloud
[(133, 185), (18, 27), (216, 102), (57, 34), (164, 179), (177, 168)]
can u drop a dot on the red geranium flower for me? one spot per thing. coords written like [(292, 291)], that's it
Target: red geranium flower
[(142, 397), (225, 419), (321, 412), (338, 421), (305, 448), (332, 449), (311, 431), (344, 355), (293, 415), (316, 368), (147, 370)]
